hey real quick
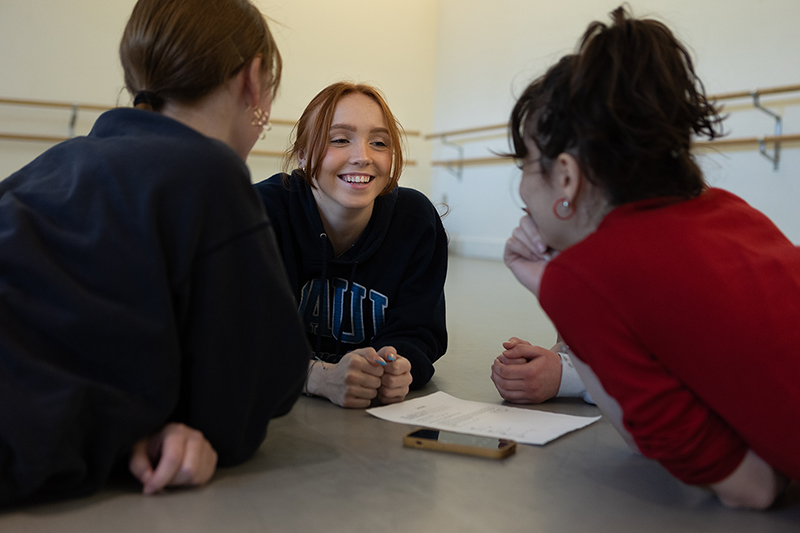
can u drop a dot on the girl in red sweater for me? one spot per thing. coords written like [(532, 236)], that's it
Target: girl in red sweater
[(679, 301)]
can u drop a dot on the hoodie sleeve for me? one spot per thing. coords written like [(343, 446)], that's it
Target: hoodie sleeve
[(415, 322), (247, 352)]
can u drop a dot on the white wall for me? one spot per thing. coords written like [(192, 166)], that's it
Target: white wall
[(443, 64), (488, 52), (67, 51)]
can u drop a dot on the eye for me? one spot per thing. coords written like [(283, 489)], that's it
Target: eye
[(380, 141), (339, 140)]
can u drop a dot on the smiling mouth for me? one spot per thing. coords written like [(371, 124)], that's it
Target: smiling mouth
[(356, 178)]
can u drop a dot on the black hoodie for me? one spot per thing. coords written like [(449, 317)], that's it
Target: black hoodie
[(396, 270), (140, 283)]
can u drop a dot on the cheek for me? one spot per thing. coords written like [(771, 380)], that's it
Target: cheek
[(331, 162), (527, 191), (386, 164)]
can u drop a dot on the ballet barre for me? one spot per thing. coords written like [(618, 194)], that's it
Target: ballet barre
[(456, 165)]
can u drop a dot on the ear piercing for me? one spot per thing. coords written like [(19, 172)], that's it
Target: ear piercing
[(261, 120), (563, 210)]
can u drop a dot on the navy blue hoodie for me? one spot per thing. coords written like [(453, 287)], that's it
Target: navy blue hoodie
[(386, 290), (140, 283)]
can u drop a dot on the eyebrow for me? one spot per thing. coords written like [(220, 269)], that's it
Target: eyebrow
[(348, 127)]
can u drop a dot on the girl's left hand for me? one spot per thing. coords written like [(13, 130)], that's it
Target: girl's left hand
[(396, 376), (182, 456), (526, 254), (526, 374)]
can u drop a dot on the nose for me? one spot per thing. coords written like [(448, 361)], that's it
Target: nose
[(361, 154)]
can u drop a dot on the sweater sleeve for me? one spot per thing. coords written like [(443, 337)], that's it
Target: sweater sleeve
[(415, 322), (666, 419), (244, 350)]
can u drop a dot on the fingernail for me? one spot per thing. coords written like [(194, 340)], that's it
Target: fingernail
[(380, 362), (391, 357), (541, 247)]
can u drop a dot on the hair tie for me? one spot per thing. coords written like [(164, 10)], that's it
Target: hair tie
[(148, 97)]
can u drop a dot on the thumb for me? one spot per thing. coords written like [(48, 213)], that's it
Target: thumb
[(139, 464)]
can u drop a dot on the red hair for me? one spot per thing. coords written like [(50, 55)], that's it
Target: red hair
[(311, 134)]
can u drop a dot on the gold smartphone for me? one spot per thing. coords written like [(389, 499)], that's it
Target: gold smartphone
[(446, 441)]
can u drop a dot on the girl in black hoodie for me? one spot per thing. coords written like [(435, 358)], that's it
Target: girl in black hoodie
[(145, 320), (366, 259)]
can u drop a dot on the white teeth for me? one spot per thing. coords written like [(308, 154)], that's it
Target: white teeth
[(349, 178)]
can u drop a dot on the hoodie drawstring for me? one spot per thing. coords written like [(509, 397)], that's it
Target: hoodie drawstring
[(349, 291), (322, 279)]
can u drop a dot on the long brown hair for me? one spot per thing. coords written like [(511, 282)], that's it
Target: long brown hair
[(181, 50), (312, 132), (625, 105)]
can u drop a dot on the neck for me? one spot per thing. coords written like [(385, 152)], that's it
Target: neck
[(213, 116), (343, 226), (590, 217), (592, 206)]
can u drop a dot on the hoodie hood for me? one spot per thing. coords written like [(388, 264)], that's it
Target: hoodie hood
[(305, 219)]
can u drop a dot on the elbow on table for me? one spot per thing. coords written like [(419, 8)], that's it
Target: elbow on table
[(757, 498), (753, 485)]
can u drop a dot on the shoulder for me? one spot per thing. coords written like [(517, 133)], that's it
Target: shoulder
[(275, 185), (412, 206), (274, 188), (414, 224), (148, 135), (169, 153), (410, 198), (146, 155), (277, 193)]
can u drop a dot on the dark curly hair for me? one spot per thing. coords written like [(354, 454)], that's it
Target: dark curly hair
[(625, 105)]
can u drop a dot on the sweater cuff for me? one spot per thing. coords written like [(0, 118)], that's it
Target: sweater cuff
[(571, 385)]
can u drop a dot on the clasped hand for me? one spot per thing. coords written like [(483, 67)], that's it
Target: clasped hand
[(359, 377), (524, 373)]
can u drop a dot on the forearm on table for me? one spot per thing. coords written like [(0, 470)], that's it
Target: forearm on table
[(754, 484), (571, 385), (315, 378)]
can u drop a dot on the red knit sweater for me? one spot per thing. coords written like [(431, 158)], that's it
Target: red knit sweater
[(688, 312)]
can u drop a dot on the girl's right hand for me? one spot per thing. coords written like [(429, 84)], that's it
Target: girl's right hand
[(352, 382)]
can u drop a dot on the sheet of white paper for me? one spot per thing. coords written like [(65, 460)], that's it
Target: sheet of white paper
[(444, 412)]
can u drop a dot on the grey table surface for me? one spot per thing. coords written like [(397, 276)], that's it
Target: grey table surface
[(323, 468), (328, 469)]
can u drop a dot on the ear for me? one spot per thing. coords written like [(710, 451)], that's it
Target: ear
[(568, 176), (253, 82)]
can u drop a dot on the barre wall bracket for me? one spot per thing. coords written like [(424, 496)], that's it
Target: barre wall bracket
[(73, 119), (762, 143), (458, 169)]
